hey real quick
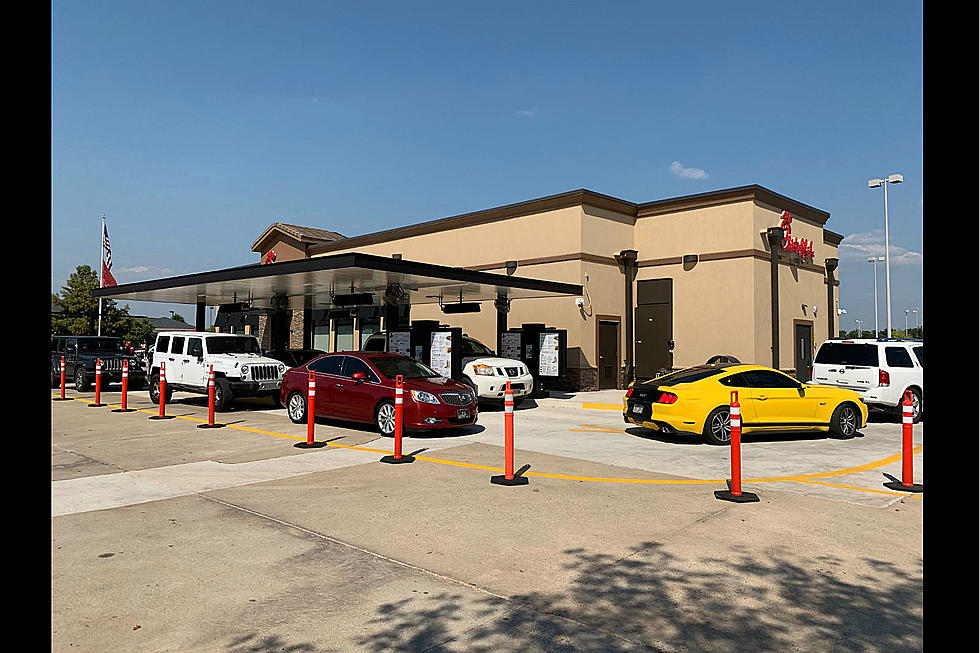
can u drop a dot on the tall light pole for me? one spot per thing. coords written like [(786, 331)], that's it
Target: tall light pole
[(874, 183), (906, 323), (916, 311), (860, 332), (874, 260)]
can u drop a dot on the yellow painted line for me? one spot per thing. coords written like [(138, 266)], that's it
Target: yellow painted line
[(800, 478), (864, 489), (603, 406)]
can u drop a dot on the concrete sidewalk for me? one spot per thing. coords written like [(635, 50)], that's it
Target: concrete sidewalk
[(589, 400)]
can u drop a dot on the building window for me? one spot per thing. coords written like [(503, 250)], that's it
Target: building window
[(367, 327), (321, 337), (344, 330)]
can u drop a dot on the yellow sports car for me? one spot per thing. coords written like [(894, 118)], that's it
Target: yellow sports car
[(696, 401)]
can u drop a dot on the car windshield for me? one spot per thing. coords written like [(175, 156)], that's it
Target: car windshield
[(409, 368), (100, 344), (687, 376), (476, 348), (233, 345)]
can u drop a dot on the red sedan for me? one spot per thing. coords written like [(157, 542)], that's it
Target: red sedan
[(360, 387)]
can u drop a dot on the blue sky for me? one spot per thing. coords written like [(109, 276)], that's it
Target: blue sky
[(193, 126)]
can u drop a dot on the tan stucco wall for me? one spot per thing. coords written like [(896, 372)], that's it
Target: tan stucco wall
[(719, 306)]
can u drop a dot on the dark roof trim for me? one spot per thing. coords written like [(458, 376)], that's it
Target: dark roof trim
[(529, 207), (831, 238), (579, 198), (337, 261)]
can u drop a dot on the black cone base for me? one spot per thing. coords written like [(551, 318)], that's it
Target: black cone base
[(210, 426), (391, 460), (61, 399), (307, 445), (123, 410), (162, 417), (96, 405), (745, 497), (915, 487), (501, 479)]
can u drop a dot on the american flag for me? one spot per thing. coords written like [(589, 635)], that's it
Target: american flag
[(107, 279)]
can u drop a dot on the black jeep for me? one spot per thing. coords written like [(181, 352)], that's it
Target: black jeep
[(80, 354)]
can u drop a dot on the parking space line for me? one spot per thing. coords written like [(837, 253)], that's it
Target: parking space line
[(799, 478), (602, 406)]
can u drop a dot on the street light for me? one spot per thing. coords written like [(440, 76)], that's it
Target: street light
[(906, 323), (874, 183), (874, 260), (860, 332), (916, 311)]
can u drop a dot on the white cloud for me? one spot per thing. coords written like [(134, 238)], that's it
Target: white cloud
[(687, 173), (527, 113), (861, 246)]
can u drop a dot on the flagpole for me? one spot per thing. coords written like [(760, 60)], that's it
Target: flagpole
[(101, 260)]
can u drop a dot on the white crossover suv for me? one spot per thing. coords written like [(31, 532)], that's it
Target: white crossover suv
[(240, 369), (880, 370), (483, 371)]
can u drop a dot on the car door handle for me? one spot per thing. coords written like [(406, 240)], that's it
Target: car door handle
[(761, 397), (339, 385), (187, 360), (171, 360)]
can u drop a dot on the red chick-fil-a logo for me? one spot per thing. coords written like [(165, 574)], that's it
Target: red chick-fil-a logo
[(270, 257), (801, 246)]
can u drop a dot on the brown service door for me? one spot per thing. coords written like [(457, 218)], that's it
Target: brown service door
[(652, 324), (608, 354)]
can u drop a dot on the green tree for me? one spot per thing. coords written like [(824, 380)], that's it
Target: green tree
[(138, 331), (80, 310), (178, 317)]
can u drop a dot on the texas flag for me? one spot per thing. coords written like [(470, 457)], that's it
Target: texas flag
[(107, 279)]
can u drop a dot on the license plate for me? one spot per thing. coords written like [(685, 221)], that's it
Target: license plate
[(637, 409), (463, 413)]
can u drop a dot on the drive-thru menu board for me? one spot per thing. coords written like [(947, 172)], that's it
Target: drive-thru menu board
[(548, 354), (510, 345), (400, 342), (441, 353)]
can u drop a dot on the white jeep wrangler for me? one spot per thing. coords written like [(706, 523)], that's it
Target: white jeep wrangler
[(240, 369)]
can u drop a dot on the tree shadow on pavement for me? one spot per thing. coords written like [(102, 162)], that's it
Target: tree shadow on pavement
[(742, 600)]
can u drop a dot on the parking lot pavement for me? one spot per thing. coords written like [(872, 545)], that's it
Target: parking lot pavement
[(260, 546)]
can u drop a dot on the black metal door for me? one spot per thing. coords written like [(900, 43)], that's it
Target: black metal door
[(804, 351), (608, 354), (279, 330), (652, 324)]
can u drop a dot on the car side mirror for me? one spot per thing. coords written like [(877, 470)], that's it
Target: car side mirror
[(359, 376)]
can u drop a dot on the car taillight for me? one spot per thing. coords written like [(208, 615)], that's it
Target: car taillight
[(629, 392), (811, 373), (883, 377), (666, 398)]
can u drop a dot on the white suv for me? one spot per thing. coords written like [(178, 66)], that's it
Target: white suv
[(240, 369), (485, 372), (880, 370)]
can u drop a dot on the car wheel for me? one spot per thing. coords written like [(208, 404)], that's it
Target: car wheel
[(717, 427), (384, 417), (56, 378), (81, 380), (844, 422), (155, 390), (916, 405), (222, 395), (296, 407)]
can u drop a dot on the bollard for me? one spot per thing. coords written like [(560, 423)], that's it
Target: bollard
[(906, 485), (397, 457), (310, 416), (734, 492), (210, 424), (62, 397), (98, 382), (163, 393), (125, 389), (508, 477)]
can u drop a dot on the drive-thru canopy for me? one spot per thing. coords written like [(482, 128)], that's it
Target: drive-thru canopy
[(339, 280)]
